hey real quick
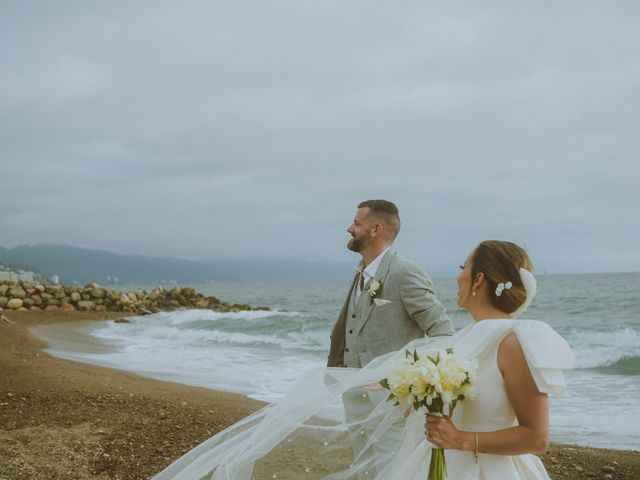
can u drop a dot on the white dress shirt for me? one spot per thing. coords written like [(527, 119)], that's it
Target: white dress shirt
[(370, 270)]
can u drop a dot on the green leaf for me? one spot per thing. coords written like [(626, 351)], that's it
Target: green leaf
[(415, 356)]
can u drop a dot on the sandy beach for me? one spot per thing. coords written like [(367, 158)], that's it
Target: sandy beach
[(61, 419)]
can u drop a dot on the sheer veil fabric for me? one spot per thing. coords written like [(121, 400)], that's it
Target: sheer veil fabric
[(304, 435)]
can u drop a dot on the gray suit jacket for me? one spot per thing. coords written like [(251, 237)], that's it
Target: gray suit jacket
[(365, 330)]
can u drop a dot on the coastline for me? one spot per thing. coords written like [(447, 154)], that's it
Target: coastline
[(61, 419)]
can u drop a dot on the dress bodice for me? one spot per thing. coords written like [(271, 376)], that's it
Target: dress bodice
[(491, 409)]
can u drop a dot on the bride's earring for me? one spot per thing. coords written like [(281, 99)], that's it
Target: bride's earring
[(473, 293)]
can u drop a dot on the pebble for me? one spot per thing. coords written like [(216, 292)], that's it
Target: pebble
[(608, 468)]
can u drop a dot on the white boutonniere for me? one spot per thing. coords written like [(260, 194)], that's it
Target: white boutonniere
[(374, 289)]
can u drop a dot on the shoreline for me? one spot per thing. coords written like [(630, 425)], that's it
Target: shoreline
[(63, 419)]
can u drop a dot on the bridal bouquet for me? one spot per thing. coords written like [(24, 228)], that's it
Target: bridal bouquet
[(432, 379)]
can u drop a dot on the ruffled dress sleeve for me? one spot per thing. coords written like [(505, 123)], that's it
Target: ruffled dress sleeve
[(547, 354)]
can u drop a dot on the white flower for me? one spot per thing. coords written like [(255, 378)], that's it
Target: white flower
[(453, 372), (425, 380), (400, 381), (374, 288)]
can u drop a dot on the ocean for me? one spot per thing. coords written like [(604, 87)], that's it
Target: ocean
[(261, 354)]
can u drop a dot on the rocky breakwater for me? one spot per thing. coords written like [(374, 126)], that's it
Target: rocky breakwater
[(39, 297)]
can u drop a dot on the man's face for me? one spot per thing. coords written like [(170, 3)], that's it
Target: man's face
[(360, 231)]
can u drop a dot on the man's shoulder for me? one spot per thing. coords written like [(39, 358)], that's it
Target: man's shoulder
[(401, 263)]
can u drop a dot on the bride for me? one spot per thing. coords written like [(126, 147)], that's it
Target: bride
[(493, 436)]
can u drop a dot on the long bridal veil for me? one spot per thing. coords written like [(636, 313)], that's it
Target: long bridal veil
[(305, 435)]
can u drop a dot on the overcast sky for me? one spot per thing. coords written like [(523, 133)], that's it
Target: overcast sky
[(217, 129)]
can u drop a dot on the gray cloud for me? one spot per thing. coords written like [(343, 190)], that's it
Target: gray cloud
[(235, 129)]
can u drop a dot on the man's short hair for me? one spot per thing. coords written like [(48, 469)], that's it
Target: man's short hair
[(386, 213)]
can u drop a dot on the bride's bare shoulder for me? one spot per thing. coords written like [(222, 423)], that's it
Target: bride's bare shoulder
[(510, 354)]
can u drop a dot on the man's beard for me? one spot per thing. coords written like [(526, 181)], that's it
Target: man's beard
[(358, 244)]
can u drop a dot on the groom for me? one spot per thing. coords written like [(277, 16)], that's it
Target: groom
[(391, 300)]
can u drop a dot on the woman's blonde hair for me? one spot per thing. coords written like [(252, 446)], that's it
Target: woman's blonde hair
[(501, 261)]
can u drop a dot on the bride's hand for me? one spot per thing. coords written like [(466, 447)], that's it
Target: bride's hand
[(441, 431)]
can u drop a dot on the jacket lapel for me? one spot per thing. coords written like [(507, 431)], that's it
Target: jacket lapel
[(380, 276)]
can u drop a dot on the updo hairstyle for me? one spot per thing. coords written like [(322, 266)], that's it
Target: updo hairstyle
[(500, 262)]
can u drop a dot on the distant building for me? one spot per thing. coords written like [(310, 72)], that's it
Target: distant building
[(55, 279), (21, 275), (6, 276), (17, 275)]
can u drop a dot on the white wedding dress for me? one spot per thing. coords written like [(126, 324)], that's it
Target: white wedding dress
[(305, 436)]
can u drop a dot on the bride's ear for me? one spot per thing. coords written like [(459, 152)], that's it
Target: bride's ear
[(479, 280)]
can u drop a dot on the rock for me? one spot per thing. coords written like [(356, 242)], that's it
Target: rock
[(608, 468), (59, 295), (37, 299), (34, 309), (607, 476), (40, 288), (86, 305), (15, 303), (17, 292), (68, 307), (122, 320), (124, 298), (101, 308), (3, 290), (75, 297), (204, 303), (97, 293), (578, 468), (27, 302), (3, 301), (132, 297)]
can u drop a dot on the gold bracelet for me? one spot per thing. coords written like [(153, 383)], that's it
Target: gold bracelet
[(475, 451)]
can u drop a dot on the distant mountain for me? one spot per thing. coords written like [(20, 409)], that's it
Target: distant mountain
[(74, 264)]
